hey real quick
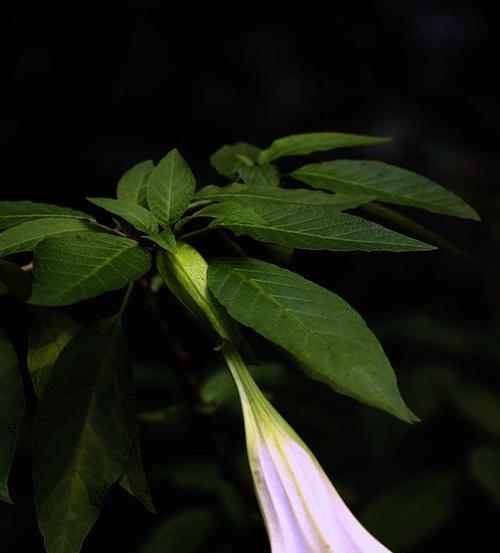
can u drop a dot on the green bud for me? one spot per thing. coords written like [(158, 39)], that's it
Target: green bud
[(185, 273)]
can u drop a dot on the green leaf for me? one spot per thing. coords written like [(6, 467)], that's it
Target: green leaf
[(16, 281), (231, 157), (386, 183), (49, 333), (133, 480), (418, 506), (170, 188), (165, 239), (306, 227), (25, 237), (14, 213), (484, 462), (317, 327), (264, 175), (133, 184), (11, 411), (72, 269), (283, 196), (138, 216), (303, 144), (183, 533), (83, 432)]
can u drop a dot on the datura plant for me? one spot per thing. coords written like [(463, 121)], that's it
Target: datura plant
[(85, 430)]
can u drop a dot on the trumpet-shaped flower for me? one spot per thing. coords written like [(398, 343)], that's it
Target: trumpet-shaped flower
[(302, 510)]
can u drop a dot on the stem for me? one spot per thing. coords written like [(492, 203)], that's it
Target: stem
[(198, 232), (199, 203), (191, 387), (236, 247), (125, 300), (417, 229)]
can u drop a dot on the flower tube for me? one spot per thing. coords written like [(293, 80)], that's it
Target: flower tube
[(302, 510)]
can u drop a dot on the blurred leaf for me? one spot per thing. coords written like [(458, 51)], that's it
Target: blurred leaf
[(170, 415), (484, 463), (281, 196), (16, 281), (306, 227), (134, 481), (387, 183), (133, 184), (11, 411), (165, 239), (14, 213), (219, 388), (478, 404), (72, 269), (49, 332), (228, 159), (282, 254), (303, 144), (407, 512), (24, 237), (83, 432), (139, 217), (260, 175), (313, 324), (183, 533), (170, 188), (206, 477)]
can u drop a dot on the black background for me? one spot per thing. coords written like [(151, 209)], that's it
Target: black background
[(88, 92)]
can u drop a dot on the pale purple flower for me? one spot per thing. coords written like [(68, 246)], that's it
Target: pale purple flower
[(302, 510)]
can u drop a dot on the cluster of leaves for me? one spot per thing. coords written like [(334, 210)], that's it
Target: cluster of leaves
[(85, 432)]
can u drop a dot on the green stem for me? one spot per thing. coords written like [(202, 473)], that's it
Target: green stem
[(236, 247), (198, 232), (125, 300)]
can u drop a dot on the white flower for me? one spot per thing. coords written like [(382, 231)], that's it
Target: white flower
[(302, 510)]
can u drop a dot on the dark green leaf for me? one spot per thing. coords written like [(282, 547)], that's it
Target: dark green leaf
[(231, 157), (303, 144), (16, 281), (83, 433), (11, 411), (165, 239), (417, 507), (25, 237), (264, 175), (283, 196), (14, 213), (72, 269), (306, 227), (170, 188), (133, 185), (49, 333), (386, 183), (133, 480), (484, 463), (317, 327), (138, 216), (184, 533)]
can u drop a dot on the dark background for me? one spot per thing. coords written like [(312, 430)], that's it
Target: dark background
[(89, 92)]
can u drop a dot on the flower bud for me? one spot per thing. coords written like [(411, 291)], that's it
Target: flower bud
[(185, 273)]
